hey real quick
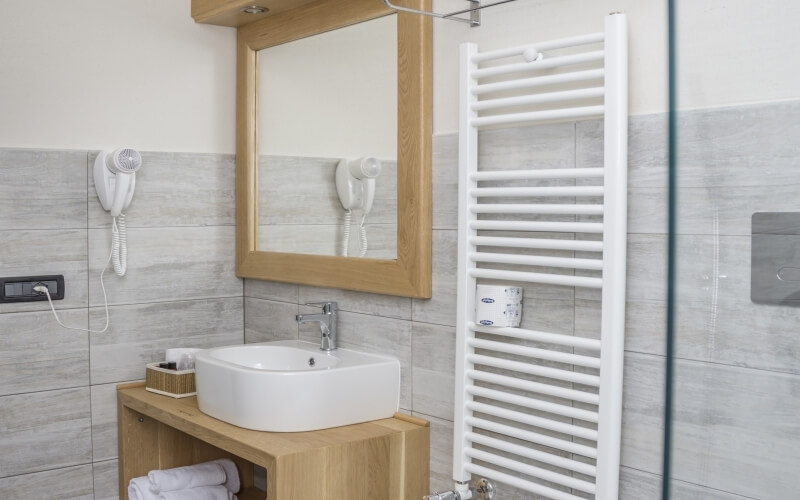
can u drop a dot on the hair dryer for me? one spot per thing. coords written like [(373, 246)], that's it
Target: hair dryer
[(355, 184), (115, 180)]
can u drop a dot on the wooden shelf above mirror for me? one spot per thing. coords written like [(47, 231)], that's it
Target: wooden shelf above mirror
[(229, 12)]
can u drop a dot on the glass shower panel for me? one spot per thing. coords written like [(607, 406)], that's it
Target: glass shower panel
[(736, 248)]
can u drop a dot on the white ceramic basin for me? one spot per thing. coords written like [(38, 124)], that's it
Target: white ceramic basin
[(293, 386)]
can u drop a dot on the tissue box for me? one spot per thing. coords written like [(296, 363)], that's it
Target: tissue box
[(176, 384)]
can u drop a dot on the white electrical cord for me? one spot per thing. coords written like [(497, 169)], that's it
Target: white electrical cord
[(119, 244), (363, 232), (348, 218), (43, 289)]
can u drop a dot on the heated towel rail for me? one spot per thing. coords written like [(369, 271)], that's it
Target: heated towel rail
[(537, 410)]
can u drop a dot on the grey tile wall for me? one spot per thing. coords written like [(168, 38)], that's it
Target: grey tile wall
[(45, 430), (58, 429), (199, 189), (269, 320), (41, 252), (298, 190), (48, 187), (140, 333), (433, 350), (74, 483), (106, 480), (635, 485), (737, 381), (167, 264), (327, 239), (38, 355), (738, 376), (104, 421), (300, 212)]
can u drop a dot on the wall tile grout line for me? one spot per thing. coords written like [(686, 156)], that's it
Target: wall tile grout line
[(688, 483), (89, 322), (715, 363), (48, 470), (45, 391), (190, 299), (46, 229)]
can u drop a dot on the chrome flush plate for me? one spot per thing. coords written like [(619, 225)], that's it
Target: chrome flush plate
[(775, 258)]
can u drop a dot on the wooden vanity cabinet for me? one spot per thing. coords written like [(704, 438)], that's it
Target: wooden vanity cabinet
[(381, 460)]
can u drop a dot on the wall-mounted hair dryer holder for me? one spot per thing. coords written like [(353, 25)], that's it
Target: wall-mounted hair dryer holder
[(115, 178), (355, 185)]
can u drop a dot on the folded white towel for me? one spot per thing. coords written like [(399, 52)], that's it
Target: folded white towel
[(139, 489), (201, 493), (231, 473), (183, 478)]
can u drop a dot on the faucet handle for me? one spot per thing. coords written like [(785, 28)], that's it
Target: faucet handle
[(327, 307)]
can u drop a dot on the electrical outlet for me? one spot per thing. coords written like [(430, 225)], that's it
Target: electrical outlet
[(20, 288)]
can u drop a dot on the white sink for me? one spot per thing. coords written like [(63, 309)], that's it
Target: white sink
[(293, 386)]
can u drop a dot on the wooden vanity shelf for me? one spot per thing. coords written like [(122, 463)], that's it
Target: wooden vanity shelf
[(381, 460)]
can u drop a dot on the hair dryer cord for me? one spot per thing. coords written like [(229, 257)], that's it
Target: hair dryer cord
[(363, 233), (348, 219), (41, 288), (119, 245)]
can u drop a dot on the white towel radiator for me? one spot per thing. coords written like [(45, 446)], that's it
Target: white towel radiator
[(536, 410)]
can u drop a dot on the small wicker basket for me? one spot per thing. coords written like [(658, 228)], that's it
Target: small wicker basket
[(176, 384)]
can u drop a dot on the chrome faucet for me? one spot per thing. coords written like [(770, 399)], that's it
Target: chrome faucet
[(327, 323)]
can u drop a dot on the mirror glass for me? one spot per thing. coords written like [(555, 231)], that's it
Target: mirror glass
[(329, 102)]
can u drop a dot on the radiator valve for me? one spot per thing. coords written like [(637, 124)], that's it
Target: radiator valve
[(482, 490)]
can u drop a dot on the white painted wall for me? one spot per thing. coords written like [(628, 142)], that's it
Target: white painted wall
[(92, 74), (737, 51), (730, 51), (100, 73), (331, 95)]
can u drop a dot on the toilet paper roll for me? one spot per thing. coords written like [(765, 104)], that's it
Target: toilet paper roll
[(498, 305), (498, 314), (498, 293)]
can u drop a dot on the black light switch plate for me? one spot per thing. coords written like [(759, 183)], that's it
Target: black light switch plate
[(20, 288)]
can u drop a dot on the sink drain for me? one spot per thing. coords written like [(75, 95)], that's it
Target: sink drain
[(311, 362)]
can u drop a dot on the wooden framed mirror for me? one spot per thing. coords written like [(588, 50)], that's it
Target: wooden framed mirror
[(409, 274)]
